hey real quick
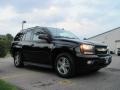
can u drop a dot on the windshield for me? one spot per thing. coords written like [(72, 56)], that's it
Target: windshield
[(59, 33)]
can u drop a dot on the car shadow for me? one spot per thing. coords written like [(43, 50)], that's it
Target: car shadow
[(39, 69), (52, 72)]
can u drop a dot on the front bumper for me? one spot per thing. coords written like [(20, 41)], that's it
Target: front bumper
[(118, 52), (92, 62)]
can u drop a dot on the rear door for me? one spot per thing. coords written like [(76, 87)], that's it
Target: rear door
[(17, 43), (27, 46)]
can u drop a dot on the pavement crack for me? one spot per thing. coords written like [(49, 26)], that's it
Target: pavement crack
[(42, 84)]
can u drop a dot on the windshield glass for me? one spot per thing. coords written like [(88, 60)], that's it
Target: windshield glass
[(59, 33)]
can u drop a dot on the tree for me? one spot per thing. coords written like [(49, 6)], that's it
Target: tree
[(3, 48), (9, 37), (5, 44)]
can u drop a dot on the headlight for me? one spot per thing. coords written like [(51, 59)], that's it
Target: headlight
[(87, 49)]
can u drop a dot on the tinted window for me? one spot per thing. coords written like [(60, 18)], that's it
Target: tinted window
[(18, 37), (28, 36), (37, 34)]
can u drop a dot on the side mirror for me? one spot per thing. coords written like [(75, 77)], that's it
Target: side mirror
[(45, 37)]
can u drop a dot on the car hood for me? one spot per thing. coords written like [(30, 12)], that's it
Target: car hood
[(80, 41), (94, 42)]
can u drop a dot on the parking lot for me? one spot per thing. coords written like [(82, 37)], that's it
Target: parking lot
[(36, 78)]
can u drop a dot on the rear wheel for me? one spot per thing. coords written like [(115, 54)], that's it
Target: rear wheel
[(64, 65), (18, 62)]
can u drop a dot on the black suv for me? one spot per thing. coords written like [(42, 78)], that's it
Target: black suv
[(118, 51), (58, 49)]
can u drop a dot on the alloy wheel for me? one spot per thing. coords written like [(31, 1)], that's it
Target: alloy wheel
[(17, 59), (63, 65)]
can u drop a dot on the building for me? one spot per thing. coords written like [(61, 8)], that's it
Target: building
[(111, 38)]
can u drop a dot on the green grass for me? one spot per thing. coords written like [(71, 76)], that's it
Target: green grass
[(6, 86)]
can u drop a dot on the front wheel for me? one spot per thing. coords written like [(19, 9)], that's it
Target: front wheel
[(64, 65), (18, 62)]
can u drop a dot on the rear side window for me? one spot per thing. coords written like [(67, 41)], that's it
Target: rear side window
[(18, 37), (28, 36)]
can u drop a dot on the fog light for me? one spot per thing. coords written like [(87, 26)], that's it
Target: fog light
[(89, 62), (107, 61)]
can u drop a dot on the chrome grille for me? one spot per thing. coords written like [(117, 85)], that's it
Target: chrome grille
[(101, 50)]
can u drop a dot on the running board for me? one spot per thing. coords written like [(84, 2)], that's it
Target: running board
[(39, 65)]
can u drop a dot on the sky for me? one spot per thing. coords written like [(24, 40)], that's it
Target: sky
[(85, 18)]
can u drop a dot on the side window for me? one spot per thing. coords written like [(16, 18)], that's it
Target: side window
[(18, 37), (28, 36), (23, 38), (37, 34)]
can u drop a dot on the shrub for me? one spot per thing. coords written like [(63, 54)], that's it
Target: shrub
[(3, 48), (5, 43)]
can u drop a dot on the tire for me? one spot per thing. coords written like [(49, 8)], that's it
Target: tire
[(18, 62), (118, 54), (64, 65)]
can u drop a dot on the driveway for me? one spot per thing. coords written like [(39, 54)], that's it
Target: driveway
[(36, 78)]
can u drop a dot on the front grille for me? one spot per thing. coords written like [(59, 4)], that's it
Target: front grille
[(101, 50)]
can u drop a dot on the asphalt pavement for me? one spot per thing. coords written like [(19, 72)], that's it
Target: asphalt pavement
[(36, 78)]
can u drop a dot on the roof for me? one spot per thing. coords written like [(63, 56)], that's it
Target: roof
[(24, 30), (37, 27), (104, 33)]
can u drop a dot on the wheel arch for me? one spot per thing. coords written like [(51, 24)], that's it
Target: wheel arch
[(15, 50), (58, 51)]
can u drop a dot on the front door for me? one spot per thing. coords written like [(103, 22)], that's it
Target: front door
[(41, 49)]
